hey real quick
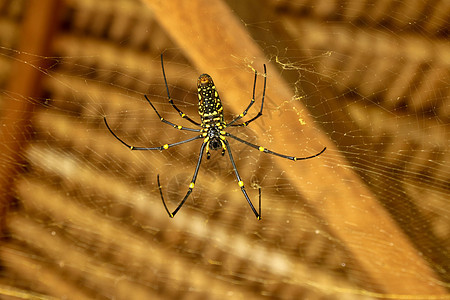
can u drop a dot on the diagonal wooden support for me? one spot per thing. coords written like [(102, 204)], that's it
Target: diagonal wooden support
[(217, 43)]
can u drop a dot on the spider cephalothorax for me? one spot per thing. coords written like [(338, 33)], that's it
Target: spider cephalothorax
[(212, 130)]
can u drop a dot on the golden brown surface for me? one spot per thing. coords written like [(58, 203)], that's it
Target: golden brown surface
[(367, 219)]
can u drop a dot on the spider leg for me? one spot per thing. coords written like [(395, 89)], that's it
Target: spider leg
[(182, 114), (191, 185), (168, 122), (241, 184), (163, 147), (251, 103), (262, 149)]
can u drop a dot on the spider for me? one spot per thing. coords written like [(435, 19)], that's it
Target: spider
[(212, 131)]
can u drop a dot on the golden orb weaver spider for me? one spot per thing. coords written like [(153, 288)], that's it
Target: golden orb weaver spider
[(212, 131)]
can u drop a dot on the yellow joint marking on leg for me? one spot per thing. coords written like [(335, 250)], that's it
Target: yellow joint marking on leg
[(241, 115), (241, 183), (295, 158), (223, 146), (183, 115), (131, 147), (206, 140), (261, 149), (179, 127), (223, 132), (191, 185), (222, 137), (162, 119), (166, 146)]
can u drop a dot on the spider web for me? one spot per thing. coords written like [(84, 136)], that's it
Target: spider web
[(88, 213)]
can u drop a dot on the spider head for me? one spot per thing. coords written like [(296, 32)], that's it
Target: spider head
[(215, 144)]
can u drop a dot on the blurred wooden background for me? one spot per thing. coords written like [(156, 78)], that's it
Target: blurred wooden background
[(81, 215)]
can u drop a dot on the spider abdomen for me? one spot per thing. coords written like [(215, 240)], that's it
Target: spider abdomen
[(209, 104)]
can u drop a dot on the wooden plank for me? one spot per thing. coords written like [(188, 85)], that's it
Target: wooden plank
[(216, 42), (40, 21)]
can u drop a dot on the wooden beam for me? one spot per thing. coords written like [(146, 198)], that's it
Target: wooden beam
[(39, 23), (217, 42)]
